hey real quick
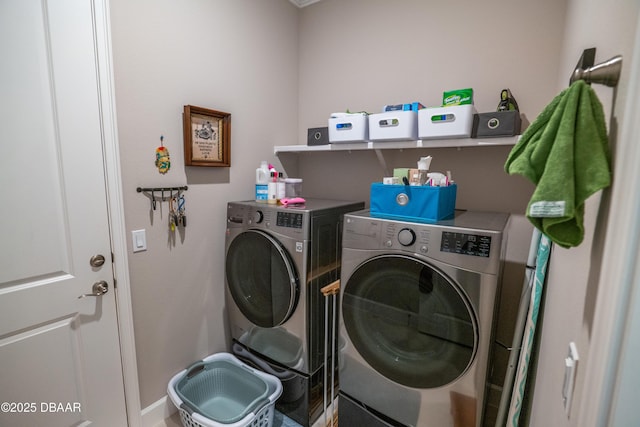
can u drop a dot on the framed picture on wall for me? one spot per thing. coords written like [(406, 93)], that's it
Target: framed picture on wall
[(207, 136)]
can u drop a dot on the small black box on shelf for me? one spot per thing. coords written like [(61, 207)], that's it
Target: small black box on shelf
[(318, 136), (495, 124)]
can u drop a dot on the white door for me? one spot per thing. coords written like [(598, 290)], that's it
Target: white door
[(59, 354)]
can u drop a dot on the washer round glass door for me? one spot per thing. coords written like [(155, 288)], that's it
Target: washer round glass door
[(261, 278), (409, 321)]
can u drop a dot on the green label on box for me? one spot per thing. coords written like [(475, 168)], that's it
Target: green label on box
[(458, 97), (401, 173)]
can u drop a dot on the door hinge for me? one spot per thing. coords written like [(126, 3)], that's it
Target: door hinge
[(113, 270)]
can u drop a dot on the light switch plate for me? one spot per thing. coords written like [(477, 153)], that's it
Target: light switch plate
[(570, 368), (139, 240)]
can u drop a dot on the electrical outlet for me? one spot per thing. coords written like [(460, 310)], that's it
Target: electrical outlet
[(570, 368)]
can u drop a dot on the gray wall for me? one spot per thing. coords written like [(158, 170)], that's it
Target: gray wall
[(363, 54), (268, 64), (236, 56), (410, 53), (574, 274)]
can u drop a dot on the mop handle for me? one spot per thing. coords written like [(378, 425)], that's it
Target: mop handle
[(331, 288)]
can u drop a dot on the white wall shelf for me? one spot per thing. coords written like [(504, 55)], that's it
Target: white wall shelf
[(398, 145)]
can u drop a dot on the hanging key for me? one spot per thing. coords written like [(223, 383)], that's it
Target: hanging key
[(172, 215), (183, 217), (176, 211)]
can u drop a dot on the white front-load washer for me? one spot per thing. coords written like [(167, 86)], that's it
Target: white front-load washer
[(417, 317)]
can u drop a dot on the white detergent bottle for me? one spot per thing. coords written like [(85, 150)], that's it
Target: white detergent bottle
[(262, 182)]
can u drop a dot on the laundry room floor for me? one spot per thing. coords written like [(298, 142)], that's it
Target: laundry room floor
[(279, 420)]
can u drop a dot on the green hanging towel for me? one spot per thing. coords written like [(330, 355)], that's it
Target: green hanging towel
[(565, 153)]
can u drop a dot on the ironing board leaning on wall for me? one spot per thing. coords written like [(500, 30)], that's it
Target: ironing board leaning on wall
[(517, 369)]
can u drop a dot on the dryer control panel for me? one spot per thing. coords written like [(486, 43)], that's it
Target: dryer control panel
[(467, 244), (289, 219), (473, 240)]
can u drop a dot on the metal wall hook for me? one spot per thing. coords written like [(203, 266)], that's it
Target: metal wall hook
[(606, 73), (152, 190), (144, 189)]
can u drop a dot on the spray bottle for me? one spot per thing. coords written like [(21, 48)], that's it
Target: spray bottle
[(281, 187), (272, 188)]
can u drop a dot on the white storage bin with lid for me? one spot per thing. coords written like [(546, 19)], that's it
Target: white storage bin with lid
[(393, 126), (454, 121), (222, 391), (349, 128)]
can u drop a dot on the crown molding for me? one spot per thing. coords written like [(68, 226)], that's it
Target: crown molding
[(303, 3)]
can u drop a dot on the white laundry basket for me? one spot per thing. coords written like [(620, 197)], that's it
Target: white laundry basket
[(222, 391)]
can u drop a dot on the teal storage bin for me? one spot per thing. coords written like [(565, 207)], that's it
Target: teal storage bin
[(412, 203)]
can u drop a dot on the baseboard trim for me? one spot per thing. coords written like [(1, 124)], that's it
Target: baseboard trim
[(157, 412)]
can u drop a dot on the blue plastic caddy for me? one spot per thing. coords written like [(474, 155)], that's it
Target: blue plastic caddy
[(418, 203)]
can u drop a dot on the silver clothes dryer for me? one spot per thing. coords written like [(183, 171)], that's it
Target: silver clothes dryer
[(417, 311), (276, 261)]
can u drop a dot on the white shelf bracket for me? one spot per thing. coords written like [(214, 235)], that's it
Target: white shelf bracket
[(382, 161)]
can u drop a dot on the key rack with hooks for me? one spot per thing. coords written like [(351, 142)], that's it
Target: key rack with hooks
[(151, 192)]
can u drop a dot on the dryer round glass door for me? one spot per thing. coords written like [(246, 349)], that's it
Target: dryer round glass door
[(409, 321), (262, 279)]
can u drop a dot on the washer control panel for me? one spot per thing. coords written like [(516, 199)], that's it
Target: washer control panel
[(289, 219), (406, 237), (402, 236), (278, 220), (466, 244), (473, 240), (398, 235)]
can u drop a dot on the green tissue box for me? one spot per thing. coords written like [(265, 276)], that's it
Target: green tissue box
[(458, 97)]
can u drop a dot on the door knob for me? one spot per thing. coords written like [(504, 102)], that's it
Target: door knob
[(99, 288)]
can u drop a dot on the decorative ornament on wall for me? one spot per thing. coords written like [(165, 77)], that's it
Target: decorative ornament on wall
[(163, 162)]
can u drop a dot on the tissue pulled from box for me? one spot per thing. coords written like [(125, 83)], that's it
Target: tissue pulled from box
[(424, 163)]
